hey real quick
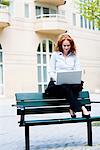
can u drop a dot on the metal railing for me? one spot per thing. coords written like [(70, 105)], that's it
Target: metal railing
[(57, 16)]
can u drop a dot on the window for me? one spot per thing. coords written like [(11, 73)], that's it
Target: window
[(50, 46), (26, 7), (74, 19), (81, 21), (44, 11), (93, 26), (89, 24), (1, 71), (38, 11), (53, 11), (44, 45), (85, 21), (44, 51)]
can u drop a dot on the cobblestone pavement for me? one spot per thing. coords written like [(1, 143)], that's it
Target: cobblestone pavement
[(52, 137)]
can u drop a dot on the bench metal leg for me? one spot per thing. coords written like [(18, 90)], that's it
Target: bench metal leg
[(89, 132), (27, 145)]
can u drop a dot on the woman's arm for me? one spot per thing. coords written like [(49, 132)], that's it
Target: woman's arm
[(77, 65)]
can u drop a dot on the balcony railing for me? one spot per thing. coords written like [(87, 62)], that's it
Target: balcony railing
[(51, 23), (57, 16), (4, 16)]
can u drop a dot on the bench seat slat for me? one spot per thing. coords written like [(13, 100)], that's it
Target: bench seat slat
[(37, 96), (45, 110), (48, 102), (59, 121), (30, 96)]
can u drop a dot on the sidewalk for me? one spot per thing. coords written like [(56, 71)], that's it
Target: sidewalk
[(52, 137)]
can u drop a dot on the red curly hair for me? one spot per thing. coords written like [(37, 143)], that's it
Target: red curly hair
[(61, 38)]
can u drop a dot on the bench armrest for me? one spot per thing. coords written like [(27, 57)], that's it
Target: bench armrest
[(22, 115), (19, 106), (94, 101)]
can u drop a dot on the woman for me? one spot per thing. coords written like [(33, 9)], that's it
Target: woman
[(64, 59)]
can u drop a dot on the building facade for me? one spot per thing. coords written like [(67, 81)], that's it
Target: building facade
[(28, 31)]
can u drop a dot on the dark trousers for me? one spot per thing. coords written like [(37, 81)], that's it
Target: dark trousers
[(68, 91)]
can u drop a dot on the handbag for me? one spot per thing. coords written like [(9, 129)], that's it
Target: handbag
[(48, 90)]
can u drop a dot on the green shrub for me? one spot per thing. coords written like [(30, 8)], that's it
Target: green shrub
[(5, 2)]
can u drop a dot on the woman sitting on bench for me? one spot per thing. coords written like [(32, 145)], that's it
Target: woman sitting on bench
[(64, 59)]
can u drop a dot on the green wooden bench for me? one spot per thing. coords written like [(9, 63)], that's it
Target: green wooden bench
[(40, 103)]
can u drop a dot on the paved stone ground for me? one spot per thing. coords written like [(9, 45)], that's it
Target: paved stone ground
[(52, 137)]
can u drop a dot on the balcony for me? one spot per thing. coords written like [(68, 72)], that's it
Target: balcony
[(4, 16), (50, 24), (52, 2)]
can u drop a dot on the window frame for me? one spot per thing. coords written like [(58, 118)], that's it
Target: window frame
[(43, 65)]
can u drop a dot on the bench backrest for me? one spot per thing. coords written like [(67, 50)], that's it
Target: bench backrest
[(38, 103)]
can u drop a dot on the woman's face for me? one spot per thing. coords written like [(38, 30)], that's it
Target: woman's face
[(66, 46)]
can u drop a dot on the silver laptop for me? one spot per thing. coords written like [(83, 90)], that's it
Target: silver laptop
[(69, 77)]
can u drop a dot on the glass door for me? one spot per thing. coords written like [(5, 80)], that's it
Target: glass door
[(45, 12), (44, 51)]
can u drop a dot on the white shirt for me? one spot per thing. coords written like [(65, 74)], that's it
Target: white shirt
[(60, 63)]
